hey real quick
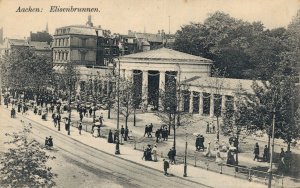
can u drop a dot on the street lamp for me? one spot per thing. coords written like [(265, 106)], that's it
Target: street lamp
[(117, 152), (272, 150), (185, 154)]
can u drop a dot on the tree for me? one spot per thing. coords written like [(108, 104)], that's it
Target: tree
[(235, 118), (126, 92), (24, 164), (25, 70), (170, 106)]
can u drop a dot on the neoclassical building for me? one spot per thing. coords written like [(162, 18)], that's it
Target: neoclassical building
[(201, 93)]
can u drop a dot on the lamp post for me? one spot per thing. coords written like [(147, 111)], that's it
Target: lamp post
[(117, 152), (69, 108), (185, 154), (272, 150)]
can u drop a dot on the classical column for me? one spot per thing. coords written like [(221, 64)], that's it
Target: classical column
[(128, 74), (212, 105), (201, 103), (181, 107), (223, 105), (191, 106), (162, 80), (145, 88)]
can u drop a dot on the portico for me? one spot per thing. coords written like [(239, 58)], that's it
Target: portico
[(151, 69)]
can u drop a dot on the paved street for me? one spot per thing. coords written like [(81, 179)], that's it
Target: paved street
[(140, 170), (121, 172)]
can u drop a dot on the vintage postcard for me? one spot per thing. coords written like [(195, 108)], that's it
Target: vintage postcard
[(140, 93)]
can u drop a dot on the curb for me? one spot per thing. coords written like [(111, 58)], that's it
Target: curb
[(119, 156)]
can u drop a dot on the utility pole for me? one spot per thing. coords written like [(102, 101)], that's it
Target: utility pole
[(272, 149), (117, 152)]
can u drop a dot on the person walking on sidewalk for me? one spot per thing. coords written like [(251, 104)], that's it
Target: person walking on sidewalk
[(154, 153), (126, 134), (256, 152), (122, 131), (150, 128), (166, 167), (146, 130), (110, 137), (80, 127)]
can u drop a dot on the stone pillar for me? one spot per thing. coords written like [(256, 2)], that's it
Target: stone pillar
[(201, 103), (162, 80), (191, 106), (145, 88), (212, 105), (223, 106), (181, 104)]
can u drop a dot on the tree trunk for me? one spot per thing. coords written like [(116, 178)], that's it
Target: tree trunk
[(170, 120), (237, 153), (108, 113), (134, 117), (289, 147), (126, 119), (218, 130)]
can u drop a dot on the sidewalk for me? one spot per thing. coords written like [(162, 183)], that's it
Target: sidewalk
[(128, 153)]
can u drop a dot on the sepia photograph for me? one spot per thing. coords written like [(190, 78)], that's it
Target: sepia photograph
[(150, 93)]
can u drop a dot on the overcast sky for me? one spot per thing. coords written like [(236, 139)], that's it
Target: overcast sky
[(152, 15)]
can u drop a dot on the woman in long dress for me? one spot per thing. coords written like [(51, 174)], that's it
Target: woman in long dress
[(208, 152)]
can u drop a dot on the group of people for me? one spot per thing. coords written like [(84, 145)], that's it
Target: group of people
[(266, 154), (149, 152), (148, 130), (49, 142), (162, 134), (210, 128)]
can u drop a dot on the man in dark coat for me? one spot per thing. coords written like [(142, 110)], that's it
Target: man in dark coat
[(256, 152), (166, 166), (150, 128), (110, 137), (126, 134), (50, 141), (266, 154), (146, 130), (122, 131), (80, 127), (157, 135)]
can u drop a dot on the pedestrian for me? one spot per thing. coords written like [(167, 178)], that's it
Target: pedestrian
[(266, 154), (282, 155), (80, 127), (256, 152), (207, 127), (144, 155), (146, 130), (166, 167), (157, 135), (122, 131), (116, 136), (126, 134), (213, 128), (98, 129), (81, 116), (170, 156), (90, 112), (110, 137), (174, 155), (154, 153), (230, 158), (35, 110), (46, 142), (84, 111), (150, 128), (208, 152), (58, 118), (149, 153), (101, 120), (12, 113), (219, 159), (50, 141)]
